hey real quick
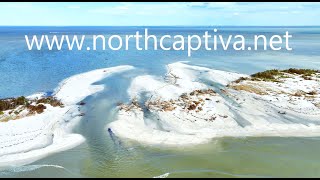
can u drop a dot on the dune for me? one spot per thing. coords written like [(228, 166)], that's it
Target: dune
[(185, 108)]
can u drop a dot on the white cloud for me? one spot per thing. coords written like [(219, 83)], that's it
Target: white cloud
[(174, 13), (139, 9), (212, 4)]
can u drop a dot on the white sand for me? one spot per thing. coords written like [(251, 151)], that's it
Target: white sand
[(239, 114), (186, 81), (76, 88), (29, 139)]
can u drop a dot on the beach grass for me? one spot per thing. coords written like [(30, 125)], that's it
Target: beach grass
[(275, 74)]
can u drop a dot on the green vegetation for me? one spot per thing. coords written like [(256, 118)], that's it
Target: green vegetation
[(50, 100), (241, 79), (284, 76), (1, 113), (269, 75), (275, 74), (4, 105), (306, 72), (20, 101), (12, 103), (36, 109)]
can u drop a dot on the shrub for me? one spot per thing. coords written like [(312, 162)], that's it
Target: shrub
[(241, 79), (4, 105), (38, 108), (271, 75), (192, 107), (268, 75), (306, 77), (11, 103), (306, 72), (50, 100), (20, 101)]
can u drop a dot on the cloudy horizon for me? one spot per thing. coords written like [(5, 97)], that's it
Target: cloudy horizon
[(160, 14)]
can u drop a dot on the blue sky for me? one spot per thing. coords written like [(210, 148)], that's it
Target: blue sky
[(161, 13)]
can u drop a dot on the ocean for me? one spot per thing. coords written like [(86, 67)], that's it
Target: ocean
[(25, 72)]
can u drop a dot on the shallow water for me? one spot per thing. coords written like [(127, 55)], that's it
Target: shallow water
[(103, 155)]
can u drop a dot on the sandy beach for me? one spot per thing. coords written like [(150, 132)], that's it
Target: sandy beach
[(30, 138), (184, 108)]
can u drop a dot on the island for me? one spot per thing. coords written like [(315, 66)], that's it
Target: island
[(192, 105)]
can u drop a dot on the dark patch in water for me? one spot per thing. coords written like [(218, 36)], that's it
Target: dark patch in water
[(115, 140)]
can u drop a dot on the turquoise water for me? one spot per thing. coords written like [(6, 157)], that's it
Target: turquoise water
[(25, 72)]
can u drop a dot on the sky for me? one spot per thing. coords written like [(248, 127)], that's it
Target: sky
[(159, 14)]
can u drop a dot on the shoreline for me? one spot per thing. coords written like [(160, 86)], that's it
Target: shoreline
[(182, 109), (32, 138), (183, 115)]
